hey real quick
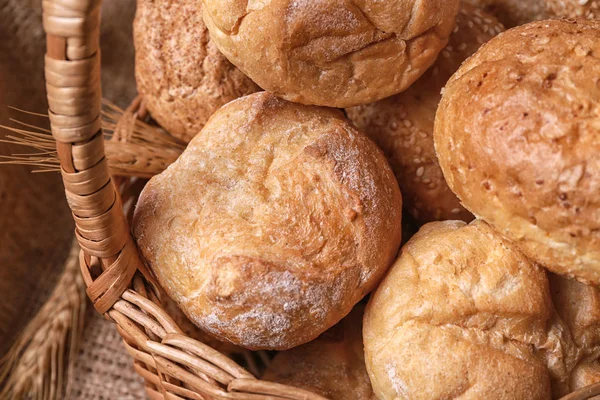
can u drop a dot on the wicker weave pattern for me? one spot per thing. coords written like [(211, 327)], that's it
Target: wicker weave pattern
[(173, 365)]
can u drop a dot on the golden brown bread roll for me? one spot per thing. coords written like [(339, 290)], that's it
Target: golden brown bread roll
[(578, 306), (275, 221), (402, 125), (333, 365), (516, 134), (461, 314), (589, 9), (179, 71), (514, 12), (337, 53)]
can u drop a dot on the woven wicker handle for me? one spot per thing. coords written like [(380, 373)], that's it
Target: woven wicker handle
[(75, 97)]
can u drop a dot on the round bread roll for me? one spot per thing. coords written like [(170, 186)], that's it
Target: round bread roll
[(589, 9), (337, 53), (461, 314), (332, 366), (402, 125), (514, 12), (578, 306), (180, 72), (516, 135), (274, 222)]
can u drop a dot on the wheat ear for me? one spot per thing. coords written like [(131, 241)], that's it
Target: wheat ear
[(41, 361)]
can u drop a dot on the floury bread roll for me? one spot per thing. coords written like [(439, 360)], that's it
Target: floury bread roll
[(402, 125), (179, 70), (274, 222), (516, 135), (461, 314), (336, 53), (333, 365), (589, 9), (514, 12), (578, 306)]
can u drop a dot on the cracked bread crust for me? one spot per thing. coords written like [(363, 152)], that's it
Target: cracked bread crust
[(461, 312), (274, 222), (337, 53), (402, 125), (516, 135), (180, 72), (578, 306)]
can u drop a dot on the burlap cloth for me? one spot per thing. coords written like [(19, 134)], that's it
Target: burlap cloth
[(35, 223)]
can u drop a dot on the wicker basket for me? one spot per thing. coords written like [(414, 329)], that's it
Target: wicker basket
[(173, 365)]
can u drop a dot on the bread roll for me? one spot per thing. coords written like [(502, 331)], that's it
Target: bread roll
[(578, 306), (514, 12), (275, 221), (589, 9), (179, 71), (333, 365), (336, 53), (402, 125), (461, 314), (516, 134)]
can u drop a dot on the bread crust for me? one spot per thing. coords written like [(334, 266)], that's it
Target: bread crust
[(589, 9), (402, 125), (578, 306), (180, 72), (461, 314), (274, 222), (333, 365), (337, 53), (516, 135)]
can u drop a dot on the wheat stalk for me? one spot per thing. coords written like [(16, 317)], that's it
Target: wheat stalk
[(36, 364), (134, 148)]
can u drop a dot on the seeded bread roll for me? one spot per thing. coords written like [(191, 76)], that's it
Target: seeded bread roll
[(514, 12), (274, 222), (337, 53), (402, 125), (179, 71), (516, 135), (333, 365), (461, 314), (589, 9)]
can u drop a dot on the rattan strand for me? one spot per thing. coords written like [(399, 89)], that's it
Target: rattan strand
[(173, 365)]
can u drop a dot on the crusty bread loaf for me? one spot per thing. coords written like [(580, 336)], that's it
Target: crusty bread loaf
[(333, 365), (275, 221), (589, 9), (402, 125), (336, 53), (461, 314), (514, 12), (179, 71), (516, 135)]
